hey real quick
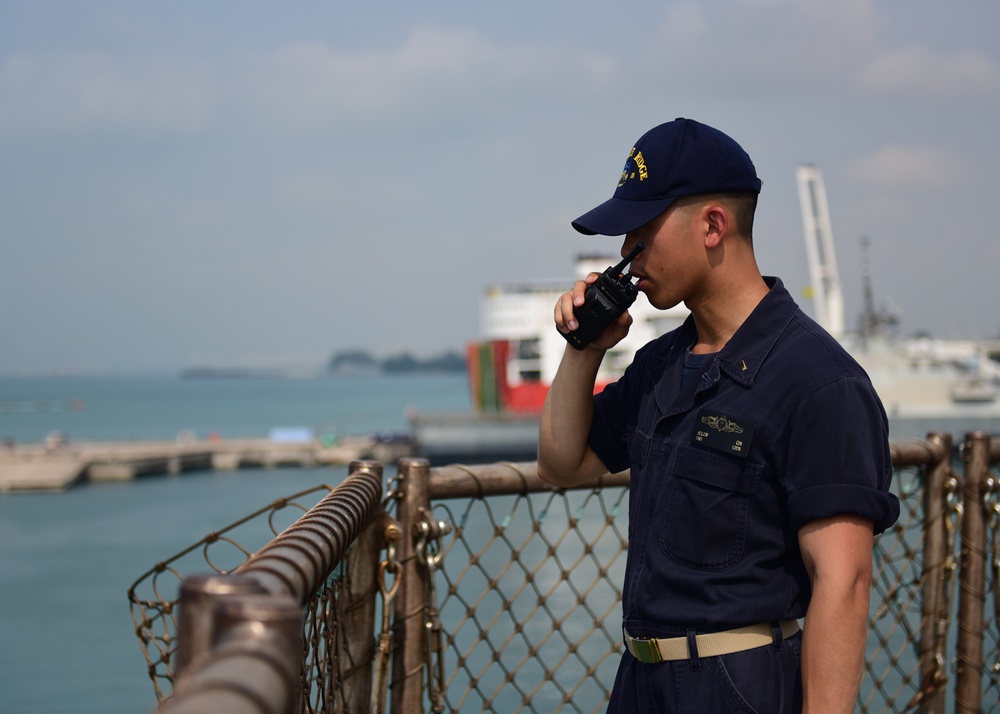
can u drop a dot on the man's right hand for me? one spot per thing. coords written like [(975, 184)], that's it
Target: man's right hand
[(566, 322)]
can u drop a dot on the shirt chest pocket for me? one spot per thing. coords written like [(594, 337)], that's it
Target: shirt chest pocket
[(706, 508)]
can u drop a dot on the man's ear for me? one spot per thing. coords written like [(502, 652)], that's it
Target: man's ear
[(716, 222)]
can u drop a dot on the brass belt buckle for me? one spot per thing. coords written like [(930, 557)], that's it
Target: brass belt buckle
[(645, 650)]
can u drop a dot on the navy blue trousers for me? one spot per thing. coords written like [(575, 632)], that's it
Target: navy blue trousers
[(763, 680)]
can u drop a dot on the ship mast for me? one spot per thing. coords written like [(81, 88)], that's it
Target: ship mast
[(869, 320), (828, 297)]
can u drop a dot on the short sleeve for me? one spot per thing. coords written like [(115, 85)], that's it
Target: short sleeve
[(616, 408), (609, 429), (838, 459)]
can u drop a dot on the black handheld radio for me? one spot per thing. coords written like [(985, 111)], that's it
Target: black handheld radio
[(604, 301)]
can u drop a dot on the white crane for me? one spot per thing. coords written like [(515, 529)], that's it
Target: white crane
[(828, 297)]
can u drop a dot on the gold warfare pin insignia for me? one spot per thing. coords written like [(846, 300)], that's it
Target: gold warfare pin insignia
[(724, 433)]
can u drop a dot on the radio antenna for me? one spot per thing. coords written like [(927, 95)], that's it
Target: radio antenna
[(639, 247)]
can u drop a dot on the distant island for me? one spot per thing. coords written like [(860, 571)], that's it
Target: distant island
[(359, 361), (352, 362)]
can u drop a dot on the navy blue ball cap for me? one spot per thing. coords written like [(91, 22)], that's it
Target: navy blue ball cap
[(680, 158)]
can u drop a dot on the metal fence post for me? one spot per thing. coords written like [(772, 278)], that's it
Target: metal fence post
[(971, 600), (408, 629), (198, 598), (257, 641), (358, 624), (249, 655), (935, 616)]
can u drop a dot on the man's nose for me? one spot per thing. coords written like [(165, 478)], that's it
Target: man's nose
[(629, 244)]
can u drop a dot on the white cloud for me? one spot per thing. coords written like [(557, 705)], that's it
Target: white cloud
[(199, 215), (763, 45), (67, 92), (907, 167), (437, 75), (832, 26), (684, 23), (447, 74), (318, 190), (922, 72)]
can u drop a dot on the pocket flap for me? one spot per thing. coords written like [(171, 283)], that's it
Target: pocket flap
[(720, 471)]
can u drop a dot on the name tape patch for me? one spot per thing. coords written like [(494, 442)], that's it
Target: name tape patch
[(723, 433)]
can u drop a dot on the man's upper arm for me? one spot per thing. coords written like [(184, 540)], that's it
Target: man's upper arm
[(837, 547)]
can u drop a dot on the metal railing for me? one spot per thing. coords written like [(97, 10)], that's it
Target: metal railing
[(153, 597), (280, 632), (499, 593), (978, 676)]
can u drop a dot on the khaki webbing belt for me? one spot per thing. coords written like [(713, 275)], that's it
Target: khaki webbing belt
[(712, 644)]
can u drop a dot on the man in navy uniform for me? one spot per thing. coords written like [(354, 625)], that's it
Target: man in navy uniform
[(758, 449)]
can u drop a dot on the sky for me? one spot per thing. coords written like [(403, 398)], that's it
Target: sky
[(238, 184)]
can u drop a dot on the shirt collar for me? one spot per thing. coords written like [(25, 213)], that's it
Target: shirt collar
[(746, 350), (740, 359)]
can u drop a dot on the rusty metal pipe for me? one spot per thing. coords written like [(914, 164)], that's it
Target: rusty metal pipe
[(253, 666), (240, 647), (297, 562), (972, 578), (406, 689), (933, 620), (198, 597), (502, 479)]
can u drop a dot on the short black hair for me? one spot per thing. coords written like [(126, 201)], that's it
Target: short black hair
[(744, 206)]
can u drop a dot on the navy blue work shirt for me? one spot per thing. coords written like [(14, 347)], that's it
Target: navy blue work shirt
[(781, 428)]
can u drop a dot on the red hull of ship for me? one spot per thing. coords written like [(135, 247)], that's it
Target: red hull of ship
[(489, 387)]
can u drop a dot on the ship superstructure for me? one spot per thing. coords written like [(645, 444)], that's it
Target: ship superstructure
[(519, 338), (924, 384)]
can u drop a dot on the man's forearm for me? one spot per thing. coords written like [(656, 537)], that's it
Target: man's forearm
[(837, 553), (566, 419), (833, 649)]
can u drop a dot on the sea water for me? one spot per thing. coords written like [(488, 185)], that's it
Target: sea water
[(67, 641)]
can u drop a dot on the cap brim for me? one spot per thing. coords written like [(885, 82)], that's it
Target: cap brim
[(618, 216)]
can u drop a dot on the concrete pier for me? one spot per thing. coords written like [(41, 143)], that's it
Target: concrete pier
[(37, 467), (55, 474)]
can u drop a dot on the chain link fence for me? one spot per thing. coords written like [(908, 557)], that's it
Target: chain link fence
[(977, 661), (154, 596), (487, 590), (531, 593)]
